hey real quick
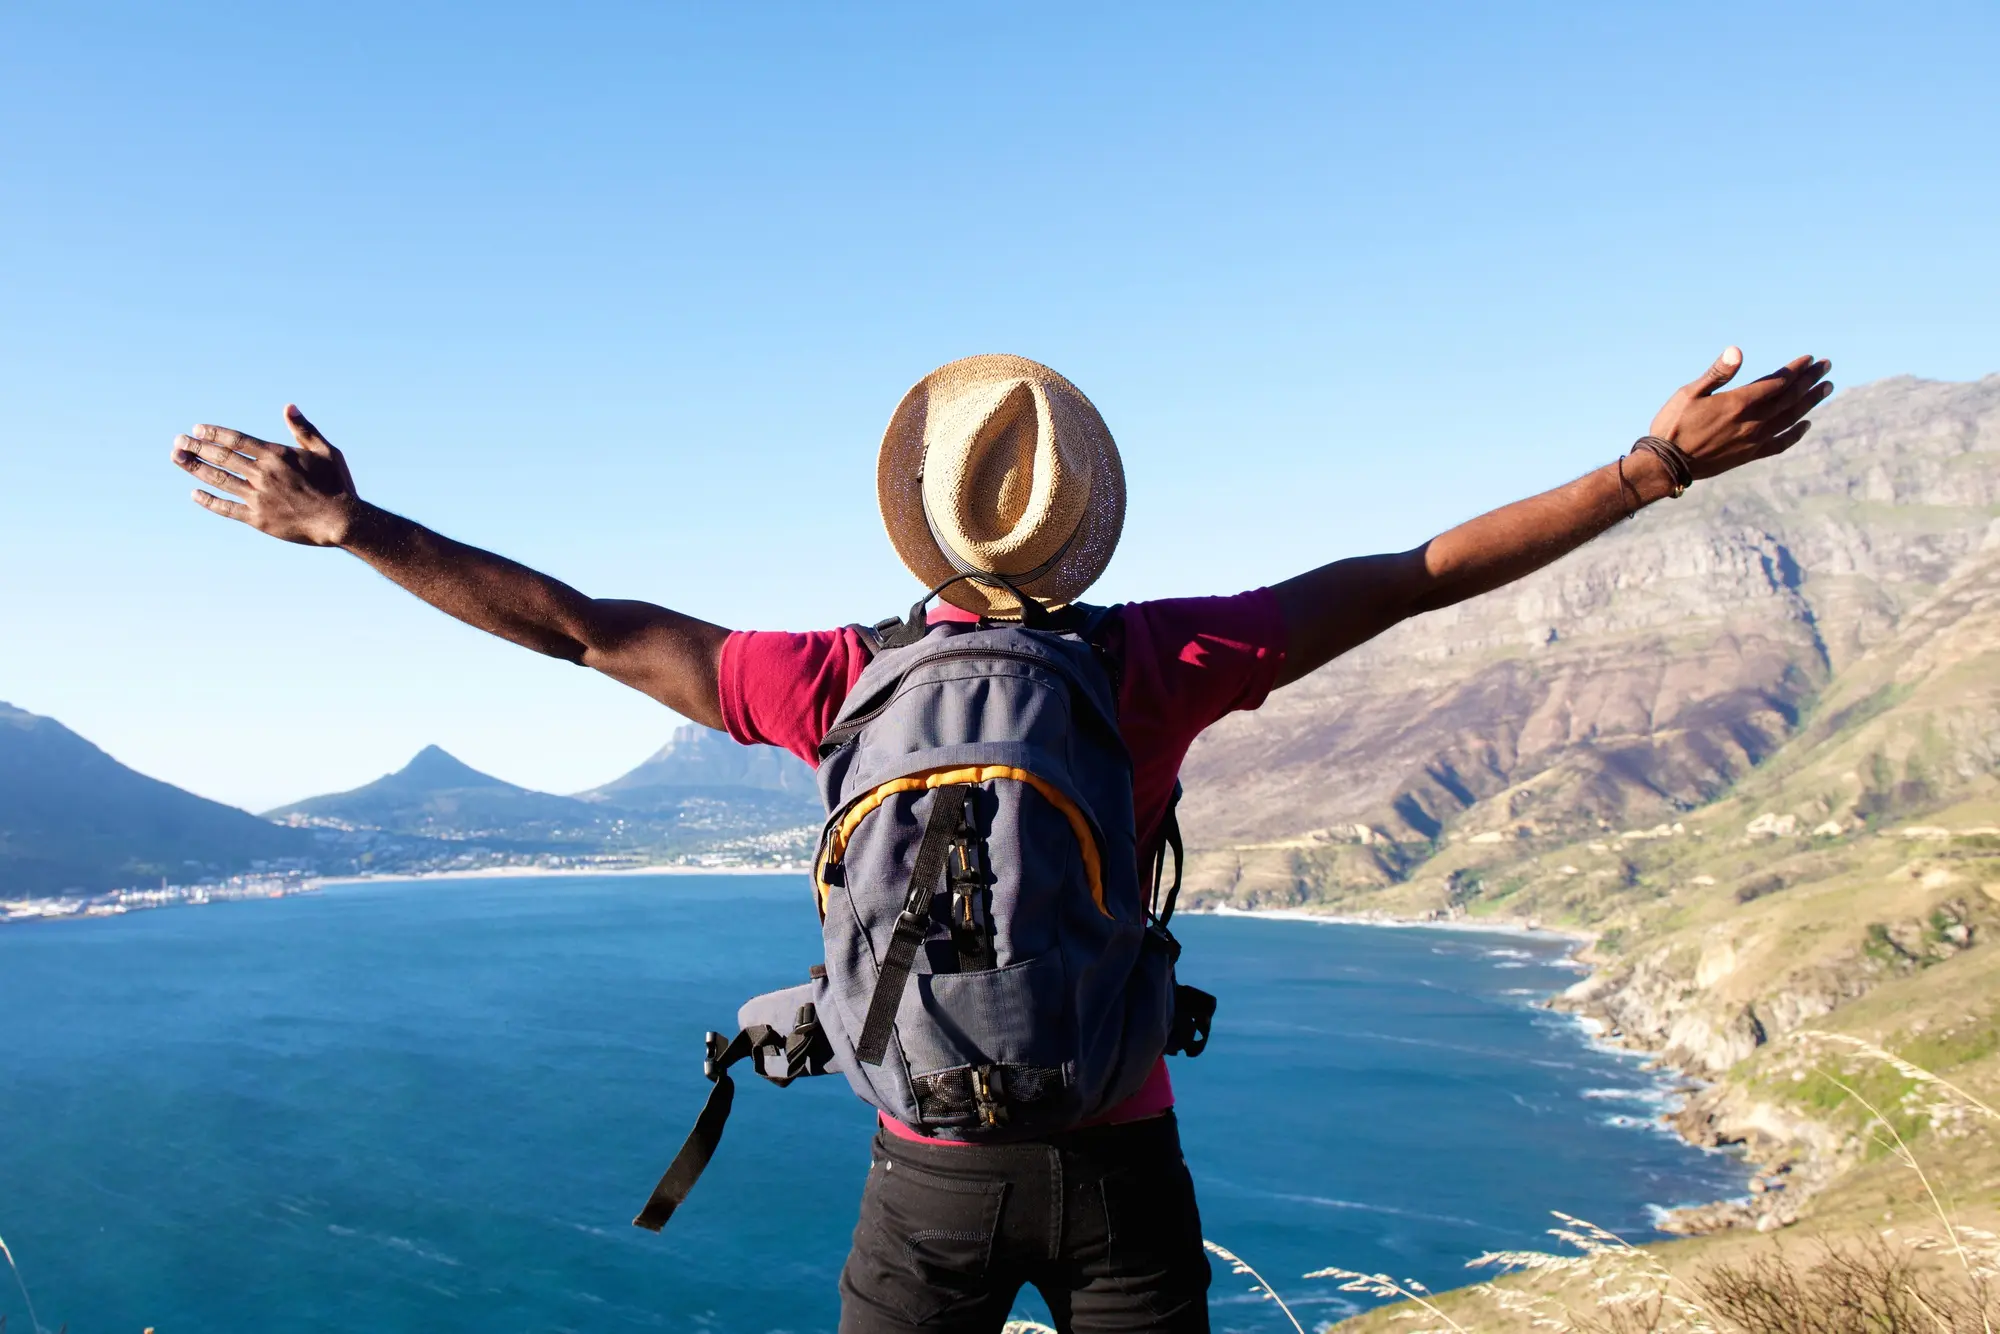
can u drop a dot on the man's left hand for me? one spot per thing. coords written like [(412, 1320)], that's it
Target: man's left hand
[(1720, 431)]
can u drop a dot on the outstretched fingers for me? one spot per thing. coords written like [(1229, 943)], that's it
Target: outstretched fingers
[(228, 509), (214, 476), (1809, 383), (1808, 389), (1778, 379), (1783, 440), (247, 445), (187, 449)]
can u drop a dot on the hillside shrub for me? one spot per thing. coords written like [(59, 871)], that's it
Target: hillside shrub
[(1751, 890)]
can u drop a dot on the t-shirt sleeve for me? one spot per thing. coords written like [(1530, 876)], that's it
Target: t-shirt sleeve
[(1189, 661), (784, 689)]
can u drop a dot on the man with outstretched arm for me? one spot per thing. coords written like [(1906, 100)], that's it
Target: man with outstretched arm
[(998, 472)]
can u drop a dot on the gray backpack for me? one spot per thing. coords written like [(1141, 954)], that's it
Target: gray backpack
[(995, 968)]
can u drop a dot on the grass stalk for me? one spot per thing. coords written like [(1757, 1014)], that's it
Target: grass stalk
[(34, 1325), (1381, 1285), (1909, 1158), (1238, 1265), (1905, 1068)]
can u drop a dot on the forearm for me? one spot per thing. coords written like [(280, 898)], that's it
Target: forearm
[(305, 494), (1707, 433), (1515, 540), (669, 656), (482, 589), (1337, 607)]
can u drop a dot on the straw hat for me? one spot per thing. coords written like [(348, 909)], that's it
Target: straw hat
[(996, 464)]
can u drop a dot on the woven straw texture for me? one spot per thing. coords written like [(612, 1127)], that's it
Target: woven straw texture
[(1017, 470)]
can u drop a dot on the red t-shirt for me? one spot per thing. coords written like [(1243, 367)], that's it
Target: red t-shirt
[(1185, 662)]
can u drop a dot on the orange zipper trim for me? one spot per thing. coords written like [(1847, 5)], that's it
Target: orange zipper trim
[(836, 840)]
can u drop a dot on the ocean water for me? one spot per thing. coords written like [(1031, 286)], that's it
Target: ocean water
[(435, 1106)]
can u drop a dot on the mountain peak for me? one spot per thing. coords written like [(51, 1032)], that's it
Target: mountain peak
[(700, 757), (434, 768)]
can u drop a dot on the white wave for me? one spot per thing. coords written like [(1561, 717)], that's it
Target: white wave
[(1359, 1206), (403, 1244)]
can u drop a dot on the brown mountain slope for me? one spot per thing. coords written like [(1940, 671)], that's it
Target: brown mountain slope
[(1849, 882), (1635, 680)]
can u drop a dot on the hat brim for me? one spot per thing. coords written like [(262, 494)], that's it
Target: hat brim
[(900, 492)]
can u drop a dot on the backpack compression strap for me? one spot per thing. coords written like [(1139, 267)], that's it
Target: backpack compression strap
[(806, 1052), (699, 1147), (912, 925)]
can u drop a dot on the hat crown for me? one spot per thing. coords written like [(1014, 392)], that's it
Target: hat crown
[(996, 464), (1004, 489)]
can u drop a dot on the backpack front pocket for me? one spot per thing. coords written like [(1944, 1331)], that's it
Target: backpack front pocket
[(991, 1050)]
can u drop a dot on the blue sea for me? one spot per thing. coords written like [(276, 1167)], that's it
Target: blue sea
[(435, 1106)]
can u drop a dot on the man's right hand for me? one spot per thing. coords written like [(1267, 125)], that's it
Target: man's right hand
[(302, 494), (305, 494)]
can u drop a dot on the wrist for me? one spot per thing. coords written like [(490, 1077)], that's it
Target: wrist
[(351, 522), (1646, 478)]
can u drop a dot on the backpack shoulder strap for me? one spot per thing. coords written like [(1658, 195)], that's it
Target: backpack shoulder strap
[(1095, 626), (901, 632), (870, 636), (1170, 841)]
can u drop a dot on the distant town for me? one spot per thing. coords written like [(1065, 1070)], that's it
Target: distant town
[(277, 882)]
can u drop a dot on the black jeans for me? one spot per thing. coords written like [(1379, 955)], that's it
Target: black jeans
[(1102, 1221)]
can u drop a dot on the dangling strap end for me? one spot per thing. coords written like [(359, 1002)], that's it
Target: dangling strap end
[(689, 1163)]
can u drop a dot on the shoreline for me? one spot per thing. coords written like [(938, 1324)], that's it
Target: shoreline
[(124, 902), (551, 872), (1676, 1087), (1531, 928)]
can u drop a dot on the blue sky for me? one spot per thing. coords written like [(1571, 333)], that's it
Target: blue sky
[(628, 292)]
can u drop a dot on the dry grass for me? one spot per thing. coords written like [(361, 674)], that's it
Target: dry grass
[(1238, 1265), (1945, 1281), (1867, 1287)]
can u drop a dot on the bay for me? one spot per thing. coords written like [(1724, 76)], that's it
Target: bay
[(435, 1106)]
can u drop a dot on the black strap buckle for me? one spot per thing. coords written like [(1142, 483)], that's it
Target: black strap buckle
[(716, 1047), (806, 1045), (1194, 1016), (989, 1094)]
